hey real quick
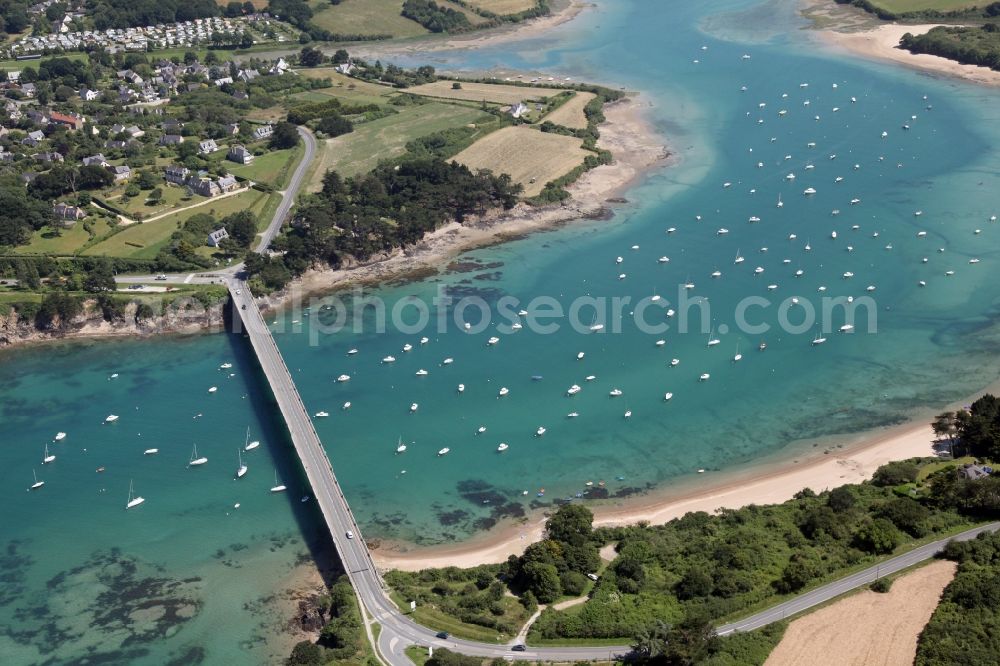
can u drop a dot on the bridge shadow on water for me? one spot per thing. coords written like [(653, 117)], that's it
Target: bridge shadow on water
[(275, 436)]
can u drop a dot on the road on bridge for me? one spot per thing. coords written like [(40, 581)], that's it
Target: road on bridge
[(397, 630)]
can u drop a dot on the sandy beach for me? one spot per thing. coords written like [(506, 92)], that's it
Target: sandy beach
[(770, 485), (858, 32), (627, 133)]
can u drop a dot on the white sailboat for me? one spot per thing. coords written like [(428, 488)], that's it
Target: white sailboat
[(195, 458), (400, 447), (248, 445), (48, 457), (738, 357), (133, 501), (277, 487), (241, 471), (37, 484), (60, 436)]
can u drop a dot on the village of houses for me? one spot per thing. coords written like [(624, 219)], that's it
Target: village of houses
[(36, 137)]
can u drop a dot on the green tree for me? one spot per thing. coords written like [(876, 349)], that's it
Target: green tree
[(543, 581), (571, 523), (285, 136), (878, 537), (306, 653), (895, 473), (100, 277), (311, 57)]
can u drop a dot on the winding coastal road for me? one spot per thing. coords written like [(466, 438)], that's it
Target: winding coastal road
[(398, 631)]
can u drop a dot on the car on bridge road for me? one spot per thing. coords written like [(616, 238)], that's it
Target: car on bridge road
[(350, 534)]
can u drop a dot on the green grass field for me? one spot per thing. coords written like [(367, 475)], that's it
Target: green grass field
[(172, 198), (344, 88), (381, 139), (274, 168), (365, 17), (143, 241), (69, 242), (900, 6)]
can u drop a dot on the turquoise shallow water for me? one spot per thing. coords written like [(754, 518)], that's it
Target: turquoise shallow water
[(196, 562)]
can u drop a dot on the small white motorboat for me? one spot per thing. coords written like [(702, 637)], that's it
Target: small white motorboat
[(352, 352), (407, 347), (213, 389), (628, 413), (448, 361), (705, 377), (675, 362), (540, 431), (493, 340), (150, 452), (322, 415), (846, 328), (347, 405), (572, 415), (615, 393), (60, 436), (503, 391), (424, 340), (580, 356), (667, 396), (344, 378), (502, 447), (414, 407), (389, 359), (461, 388), (421, 373), (573, 390), (111, 418), (226, 366), (444, 451)]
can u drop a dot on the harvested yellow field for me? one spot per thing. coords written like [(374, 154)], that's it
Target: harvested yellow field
[(868, 628), (570, 114), (477, 92), (503, 6), (532, 158)]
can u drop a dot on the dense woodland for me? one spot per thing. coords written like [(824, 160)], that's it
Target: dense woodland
[(965, 628), (989, 11), (391, 207), (132, 13), (969, 45), (435, 17)]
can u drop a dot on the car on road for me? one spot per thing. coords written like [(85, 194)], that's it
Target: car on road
[(592, 577), (442, 634), (350, 534), (161, 277), (520, 647), (239, 292)]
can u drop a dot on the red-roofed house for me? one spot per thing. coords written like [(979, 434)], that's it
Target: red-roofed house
[(72, 122)]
